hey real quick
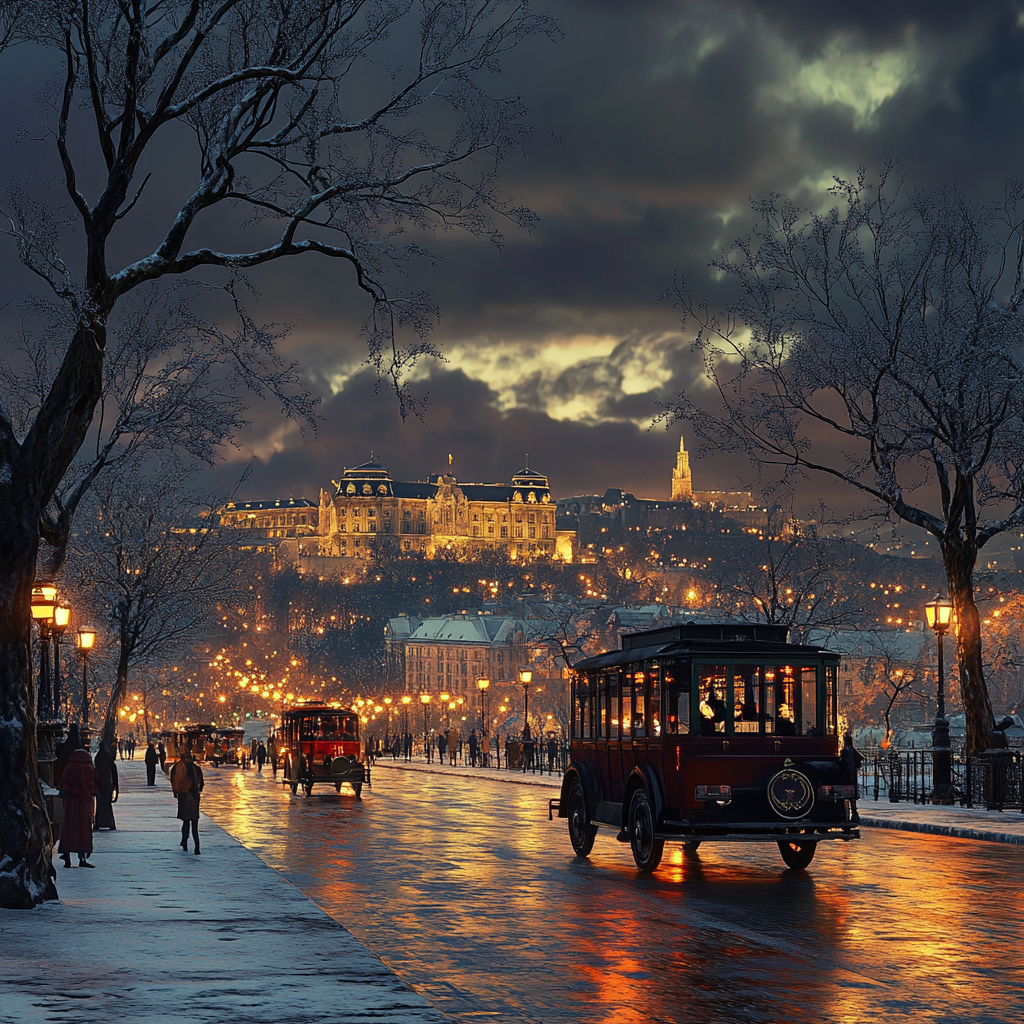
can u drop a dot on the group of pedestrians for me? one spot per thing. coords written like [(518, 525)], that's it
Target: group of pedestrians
[(90, 787), (126, 747)]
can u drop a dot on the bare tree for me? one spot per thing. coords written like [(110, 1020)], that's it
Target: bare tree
[(879, 344), (344, 128), (795, 579), (154, 580)]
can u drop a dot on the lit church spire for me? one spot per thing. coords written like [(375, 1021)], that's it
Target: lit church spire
[(682, 482)]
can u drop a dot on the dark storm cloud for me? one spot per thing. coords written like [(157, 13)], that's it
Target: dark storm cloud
[(656, 121), (485, 443)]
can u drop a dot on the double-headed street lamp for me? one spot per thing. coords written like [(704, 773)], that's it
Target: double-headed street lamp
[(84, 641), (44, 601), (482, 686), (939, 614)]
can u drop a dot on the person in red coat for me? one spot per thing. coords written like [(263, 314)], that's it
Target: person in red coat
[(79, 783)]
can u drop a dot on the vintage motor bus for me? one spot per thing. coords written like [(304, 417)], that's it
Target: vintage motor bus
[(698, 733), (226, 747), (196, 739), (320, 743)]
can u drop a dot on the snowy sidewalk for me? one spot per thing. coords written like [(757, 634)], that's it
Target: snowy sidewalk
[(155, 934), (957, 822)]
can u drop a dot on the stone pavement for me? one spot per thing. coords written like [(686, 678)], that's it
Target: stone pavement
[(956, 822), (155, 934)]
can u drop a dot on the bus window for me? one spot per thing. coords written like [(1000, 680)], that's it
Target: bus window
[(639, 718), (711, 681), (747, 690), (654, 711), (677, 696), (831, 698), (604, 720), (808, 702), (614, 705), (583, 718)]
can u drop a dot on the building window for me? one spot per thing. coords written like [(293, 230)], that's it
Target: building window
[(371, 527), (343, 512), (476, 531), (533, 532), (519, 531), (490, 530), (476, 518), (519, 517), (406, 514), (546, 528), (355, 527), (387, 512), (357, 511), (341, 528), (544, 518), (531, 518), (504, 531), (371, 511)]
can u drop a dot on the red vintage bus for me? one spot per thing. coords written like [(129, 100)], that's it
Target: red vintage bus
[(707, 733), (320, 743)]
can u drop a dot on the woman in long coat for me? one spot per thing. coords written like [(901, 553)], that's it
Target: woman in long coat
[(106, 768), (78, 783), (187, 784)]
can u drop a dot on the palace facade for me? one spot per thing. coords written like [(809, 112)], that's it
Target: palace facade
[(368, 507)]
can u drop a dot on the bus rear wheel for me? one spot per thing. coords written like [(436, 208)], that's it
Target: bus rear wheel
[(581, 833), (797, 855), (647, 849)]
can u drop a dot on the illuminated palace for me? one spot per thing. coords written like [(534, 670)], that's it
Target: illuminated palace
[(439, 514)]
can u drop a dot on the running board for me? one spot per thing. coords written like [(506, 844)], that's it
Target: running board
[(760, 837)]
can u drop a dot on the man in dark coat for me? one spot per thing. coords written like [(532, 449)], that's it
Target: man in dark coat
[(152, 760), (79, 783), (261, 757), (106, 768), (187, 784)]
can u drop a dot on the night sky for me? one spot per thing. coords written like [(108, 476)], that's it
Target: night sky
[(655, 122)]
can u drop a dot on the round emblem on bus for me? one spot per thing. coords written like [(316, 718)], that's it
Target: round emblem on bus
[(340, 765), (791, 794)]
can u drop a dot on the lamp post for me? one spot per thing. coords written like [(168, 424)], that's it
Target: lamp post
[(939, 614), (482, 685), (85, 640), (61, 618), (406, 749), (44, 597), (425, 701), (526, 677)]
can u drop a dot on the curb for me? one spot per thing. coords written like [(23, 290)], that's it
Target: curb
[(950, 831)]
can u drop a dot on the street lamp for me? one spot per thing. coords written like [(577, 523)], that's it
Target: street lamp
[(407, 750), (44, 597), (425, 701), (525, 677), (61, 618), (85, 640), (482, 685), (939, 614)]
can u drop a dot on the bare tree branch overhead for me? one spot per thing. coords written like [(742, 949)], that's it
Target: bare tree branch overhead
[(341, 129), (880, 344)]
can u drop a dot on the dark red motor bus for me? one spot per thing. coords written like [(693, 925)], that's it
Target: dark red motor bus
[(320, 743), (707, 733)]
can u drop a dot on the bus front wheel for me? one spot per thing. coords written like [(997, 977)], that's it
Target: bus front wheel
[(797, 855), (581, 833), (647, 849)]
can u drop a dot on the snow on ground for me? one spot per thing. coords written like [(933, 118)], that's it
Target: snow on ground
[(154, 934)]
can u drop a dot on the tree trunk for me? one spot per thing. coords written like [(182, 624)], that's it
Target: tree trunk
[(117, 692), (26, 862), (959, 558)]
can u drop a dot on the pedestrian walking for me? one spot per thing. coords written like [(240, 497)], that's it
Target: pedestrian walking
[(552, 753), (272, 754), (454, 746), (106, 770), (261, 756), (472, 748), (72, 742), (78, 784), (850, 760), (131, 746), (187, 785), (442, 746), (152, 759), (408, 746), (161, 753)]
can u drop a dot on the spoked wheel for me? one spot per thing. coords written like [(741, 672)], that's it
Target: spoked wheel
[(797, 855), (581, 832), (647, 849), (690, 849)]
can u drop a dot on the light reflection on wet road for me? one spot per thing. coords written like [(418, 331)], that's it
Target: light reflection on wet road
[(474, 898)]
